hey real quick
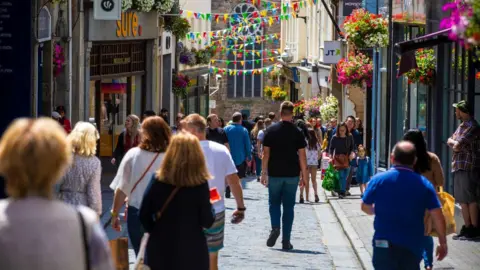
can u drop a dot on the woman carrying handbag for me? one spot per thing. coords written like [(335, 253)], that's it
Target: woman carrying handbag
[(342, 152), (176, 209)]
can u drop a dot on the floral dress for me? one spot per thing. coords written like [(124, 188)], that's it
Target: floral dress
[(312, 155), (81, 183)]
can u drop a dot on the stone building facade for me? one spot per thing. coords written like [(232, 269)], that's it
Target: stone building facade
[(250, 100)]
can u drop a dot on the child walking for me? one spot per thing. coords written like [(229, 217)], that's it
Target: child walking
[(364, 168), (314, 153)]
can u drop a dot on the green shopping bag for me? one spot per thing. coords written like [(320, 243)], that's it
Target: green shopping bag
[(331, 179)]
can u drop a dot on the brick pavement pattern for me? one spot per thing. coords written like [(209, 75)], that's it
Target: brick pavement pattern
[(463, 255)]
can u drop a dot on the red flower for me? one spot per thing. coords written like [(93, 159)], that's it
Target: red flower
[(477, 76)]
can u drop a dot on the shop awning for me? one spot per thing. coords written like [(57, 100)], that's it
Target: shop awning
[(406, 49)]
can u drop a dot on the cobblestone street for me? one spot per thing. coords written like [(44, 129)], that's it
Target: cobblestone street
[(319, 242)]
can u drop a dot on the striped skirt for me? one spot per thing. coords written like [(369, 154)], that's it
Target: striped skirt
[(215, 234)]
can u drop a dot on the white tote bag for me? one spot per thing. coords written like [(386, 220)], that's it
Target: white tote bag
[(140, 263)]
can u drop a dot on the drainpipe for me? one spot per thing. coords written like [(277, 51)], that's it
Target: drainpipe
[(69, 15)]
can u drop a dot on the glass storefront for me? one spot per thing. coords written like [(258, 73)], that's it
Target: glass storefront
[(118, 98)]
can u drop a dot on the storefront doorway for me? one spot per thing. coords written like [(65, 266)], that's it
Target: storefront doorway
[(117, 89)]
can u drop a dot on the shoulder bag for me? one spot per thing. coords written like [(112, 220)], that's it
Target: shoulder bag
[(140, 263), (341, 161)]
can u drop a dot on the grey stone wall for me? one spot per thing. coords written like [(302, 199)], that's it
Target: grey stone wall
[(225, 107)]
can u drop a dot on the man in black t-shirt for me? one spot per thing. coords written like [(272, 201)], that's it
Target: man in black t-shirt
[(284, 157), (214, 132)]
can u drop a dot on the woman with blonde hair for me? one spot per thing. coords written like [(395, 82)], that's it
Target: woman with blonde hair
[(81, 183), (36, 231), (134, 174), (176, 208), (256, 145), (128, 139)]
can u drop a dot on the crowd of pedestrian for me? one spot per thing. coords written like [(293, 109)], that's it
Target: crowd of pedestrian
[(172, 181)]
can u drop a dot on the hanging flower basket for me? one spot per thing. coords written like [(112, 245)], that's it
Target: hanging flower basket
[(267, 91), (163, 6), (180, 83), (278, 94), (143, 5), (425, 72), (126, 5), (464, 21), (356, 69), (298, 107), (366, 30), (329, 108), (312, 106), (58, 59), (178, 26)]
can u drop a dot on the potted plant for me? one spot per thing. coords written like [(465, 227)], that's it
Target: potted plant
[(356, 69), (463, 21), (312, 106), (425, 71), (180, 83), (366, 30)]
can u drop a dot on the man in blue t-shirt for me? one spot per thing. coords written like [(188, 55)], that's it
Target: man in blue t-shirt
[(398, 199)]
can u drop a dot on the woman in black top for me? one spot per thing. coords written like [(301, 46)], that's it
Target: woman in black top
[(176, 238), (342, 144)]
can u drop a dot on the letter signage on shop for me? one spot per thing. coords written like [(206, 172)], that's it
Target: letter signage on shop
[(350, 5), (128, 25), (332, 52)]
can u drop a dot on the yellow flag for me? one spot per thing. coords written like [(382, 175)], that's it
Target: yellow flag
[(242, 62), (258, 53), (270, 21), (241, 46), (213, 61), (263, 13), (272, 59), (294, 14), (189, 14), (225, 17)]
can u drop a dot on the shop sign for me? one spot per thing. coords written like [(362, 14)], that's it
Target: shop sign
[(128, 25), (212, 104), (107, 10), (332, 52), (291, 73), (44, 29), (121, 60), (350, 5)]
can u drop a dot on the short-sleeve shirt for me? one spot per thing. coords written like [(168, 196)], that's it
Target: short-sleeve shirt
[(284, 140), (220, 164), (400, 197), (217, 135)]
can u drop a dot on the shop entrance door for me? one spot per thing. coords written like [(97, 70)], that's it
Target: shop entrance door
[(112, 108)]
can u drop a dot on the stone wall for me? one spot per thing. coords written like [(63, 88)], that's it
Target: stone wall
[(225, 107)]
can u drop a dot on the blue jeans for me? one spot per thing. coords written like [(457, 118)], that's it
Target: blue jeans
[(282, 191), (395, 258), (258, 165), (135, 228), (428, 252), (343, 175)]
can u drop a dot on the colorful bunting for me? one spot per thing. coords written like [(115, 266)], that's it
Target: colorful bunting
[(233, 72)]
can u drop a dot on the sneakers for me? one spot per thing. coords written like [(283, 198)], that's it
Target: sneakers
[(286, 245), (467, 233), (272, 239)]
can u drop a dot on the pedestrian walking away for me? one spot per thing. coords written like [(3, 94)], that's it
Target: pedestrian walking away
[(134, 174), (240, 146), (220, 164), (284, 158), (176, 207), (399, 238)]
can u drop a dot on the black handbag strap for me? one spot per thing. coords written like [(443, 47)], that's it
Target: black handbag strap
[(86, 246)]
